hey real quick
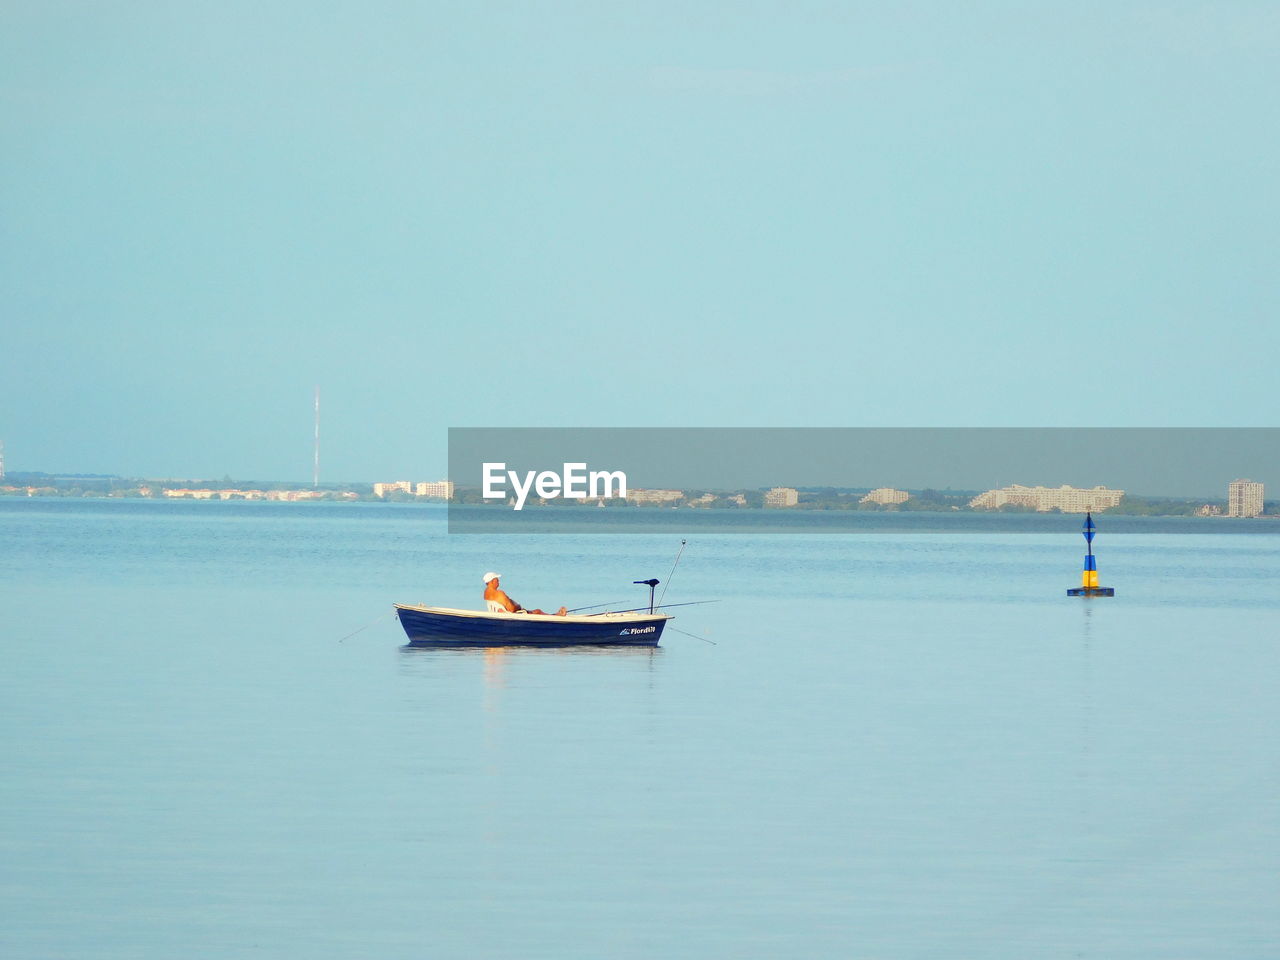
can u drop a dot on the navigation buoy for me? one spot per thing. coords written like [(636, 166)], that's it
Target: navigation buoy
[(1089, 578)]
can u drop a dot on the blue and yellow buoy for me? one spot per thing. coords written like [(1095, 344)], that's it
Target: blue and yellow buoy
[(1089, 578)]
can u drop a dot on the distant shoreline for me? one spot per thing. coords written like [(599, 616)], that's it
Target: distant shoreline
[(1191, 508), (469, 520), (833, 500)]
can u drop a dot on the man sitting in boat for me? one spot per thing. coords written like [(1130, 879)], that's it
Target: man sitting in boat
[(496, 599)]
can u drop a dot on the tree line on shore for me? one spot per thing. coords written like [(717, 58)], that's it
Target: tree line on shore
[(818, 498)]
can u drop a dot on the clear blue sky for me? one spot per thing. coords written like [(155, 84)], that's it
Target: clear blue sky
[(595, 214)]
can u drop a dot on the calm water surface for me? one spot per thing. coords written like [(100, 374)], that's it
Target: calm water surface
[(904, 745)]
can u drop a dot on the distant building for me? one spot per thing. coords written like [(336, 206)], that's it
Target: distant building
[(437, 490), (292, 496), (886, 496), (654, 496), (781, 497), (1209, 510), (227, 494), (1064, 498), (185, 493), (1244, 498)]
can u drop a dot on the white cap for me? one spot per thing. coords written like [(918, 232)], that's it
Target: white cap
[(490, 576)]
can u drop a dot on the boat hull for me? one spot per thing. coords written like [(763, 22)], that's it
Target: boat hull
[(442, 627)]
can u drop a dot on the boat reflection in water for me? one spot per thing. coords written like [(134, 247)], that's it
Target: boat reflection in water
[(425, 658)]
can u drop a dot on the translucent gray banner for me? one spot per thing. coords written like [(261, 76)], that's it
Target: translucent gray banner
[(859, 480)]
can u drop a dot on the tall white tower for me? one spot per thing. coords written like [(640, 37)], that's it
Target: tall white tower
[(315, 472)]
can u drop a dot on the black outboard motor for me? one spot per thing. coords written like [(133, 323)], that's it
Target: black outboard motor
[(650, 584)]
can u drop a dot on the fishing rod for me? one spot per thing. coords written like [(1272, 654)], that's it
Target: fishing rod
[(694, 635), (592, 606), (679, 553), (659, 606), (365, 627)]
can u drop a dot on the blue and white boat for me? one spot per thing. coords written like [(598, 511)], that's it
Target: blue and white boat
[(449, 627)]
